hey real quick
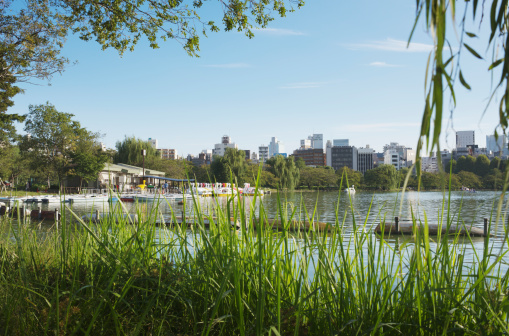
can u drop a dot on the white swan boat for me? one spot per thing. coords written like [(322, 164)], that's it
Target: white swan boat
[(350, 190)]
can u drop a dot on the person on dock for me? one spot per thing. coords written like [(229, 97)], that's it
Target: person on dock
[(165, 187)]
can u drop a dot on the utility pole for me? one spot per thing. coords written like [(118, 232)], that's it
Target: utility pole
[(143, 153)]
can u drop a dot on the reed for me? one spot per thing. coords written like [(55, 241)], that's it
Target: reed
[(115, 277)]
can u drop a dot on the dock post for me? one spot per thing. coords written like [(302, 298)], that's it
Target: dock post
[(485, 227), (39, 212), (97, 215), (56, 217), (396, 223)]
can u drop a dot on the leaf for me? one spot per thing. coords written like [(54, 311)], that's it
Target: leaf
[(464, 82), (496, 63), (472, 51), (470, 34)]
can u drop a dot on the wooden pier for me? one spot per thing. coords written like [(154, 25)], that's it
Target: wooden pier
[(400, 227)]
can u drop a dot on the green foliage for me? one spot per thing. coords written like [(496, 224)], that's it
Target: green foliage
[(451, 166), (497, 163), (285, 170), (444, 66), (129, 151), (383, 177), (234, 162), (354, 177), (300, 163), (87, 160), (317, 177), (469, 180), (494, 180), (482, 165), (52, 139)]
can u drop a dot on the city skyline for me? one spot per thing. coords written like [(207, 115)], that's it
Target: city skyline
[(309, 72)]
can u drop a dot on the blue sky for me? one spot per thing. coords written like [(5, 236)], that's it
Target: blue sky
[(340, 68)]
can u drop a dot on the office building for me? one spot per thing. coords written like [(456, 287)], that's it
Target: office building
[(344, 156), (465, 138), (311, 156), (275, 147), (365, 159), (220, 148), (168, 154)]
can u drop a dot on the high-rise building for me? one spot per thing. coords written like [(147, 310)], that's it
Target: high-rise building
[(365, 159), (497, 146), (344, 156), (263, 153), (465, 138), (316, 141), (328, 153), (340, 142), (220, 148), (153, 142), (275, 147)]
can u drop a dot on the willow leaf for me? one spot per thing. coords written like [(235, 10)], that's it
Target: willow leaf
[(464, 82), (472, 51)]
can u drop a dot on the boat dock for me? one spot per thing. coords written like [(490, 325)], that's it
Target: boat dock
[(400, 227)]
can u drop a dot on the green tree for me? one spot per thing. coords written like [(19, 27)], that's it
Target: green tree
[(469, 180), (384, 177), (219, 170), (87, 161), (496, 163), (482, 165), (451, 166), (286, 172), (461, 165), (494, 180), (319, 177), (52, 138), (236, 163), (354, 177), (300, 163), (129, 151)]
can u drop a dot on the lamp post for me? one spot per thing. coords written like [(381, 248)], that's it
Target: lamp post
[(143, 153)]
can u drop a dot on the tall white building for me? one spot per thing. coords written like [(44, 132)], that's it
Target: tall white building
[(153, 142), (365, 159), (465, 138), (392, 157), (220, 148), (263, 153), (316, 141), (275, 147)]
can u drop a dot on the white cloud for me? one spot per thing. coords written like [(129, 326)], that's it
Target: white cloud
[(302, 85), (393, 45), (279, 32), (378, 127), (384, 65), (229, 65)]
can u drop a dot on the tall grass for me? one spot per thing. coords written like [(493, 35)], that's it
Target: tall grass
[(116, 277)]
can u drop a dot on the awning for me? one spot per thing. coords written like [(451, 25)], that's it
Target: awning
[(167, 178)]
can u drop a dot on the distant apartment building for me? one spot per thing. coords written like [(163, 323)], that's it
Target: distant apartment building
[(340, 142), (460, 151), (275, 147), (220, 148), (152, 142), (263, 153), (311, 156), (254, 157), (465, 138), (365, 159), (168, 154), (392, 157), (344, 156)]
